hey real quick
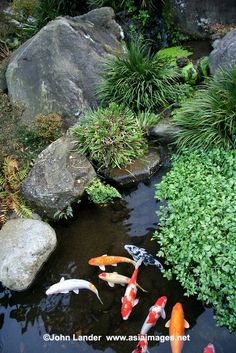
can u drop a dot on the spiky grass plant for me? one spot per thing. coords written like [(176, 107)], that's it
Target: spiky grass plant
[(209, 119), (138, 80), (10, 180), (110, 137), (147, 120)]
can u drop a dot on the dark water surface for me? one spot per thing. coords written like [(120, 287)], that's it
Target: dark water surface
[(26, 317)]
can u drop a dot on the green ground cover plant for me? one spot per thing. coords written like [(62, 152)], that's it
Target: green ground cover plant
[(110, 137), (101, 193), (139, 80), (171, 54), (209, 119), (197, 234)]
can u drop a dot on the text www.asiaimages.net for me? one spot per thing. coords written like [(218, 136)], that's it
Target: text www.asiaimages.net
[(111, 338)]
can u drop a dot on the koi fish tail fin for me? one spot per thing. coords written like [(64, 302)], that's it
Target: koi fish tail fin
[(138, 263), (142, 346), (99, 298)]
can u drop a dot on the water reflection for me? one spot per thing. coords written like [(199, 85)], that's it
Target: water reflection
[(26, 317)]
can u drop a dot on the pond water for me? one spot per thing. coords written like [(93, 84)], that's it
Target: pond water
[(26, 317)]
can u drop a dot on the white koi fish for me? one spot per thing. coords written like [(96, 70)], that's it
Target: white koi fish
[(115, 278), (66, 286)]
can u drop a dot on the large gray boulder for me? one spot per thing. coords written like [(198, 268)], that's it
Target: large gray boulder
[(224, 53), (25, 245), (58, 178), (196, 16), (58, 69)]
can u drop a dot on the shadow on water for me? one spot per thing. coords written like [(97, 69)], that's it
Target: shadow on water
[(94, 231)]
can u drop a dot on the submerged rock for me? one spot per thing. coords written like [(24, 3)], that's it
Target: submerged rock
[(58, 178), (140, 170), (25, 245), (224, 53), (57, 70)]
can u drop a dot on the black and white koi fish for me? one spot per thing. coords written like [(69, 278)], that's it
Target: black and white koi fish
[(140, 253)]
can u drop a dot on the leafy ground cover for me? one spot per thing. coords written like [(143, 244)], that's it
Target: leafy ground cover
[(198, 228)]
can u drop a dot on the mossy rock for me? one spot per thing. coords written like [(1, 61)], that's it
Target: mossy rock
[(190, 74)]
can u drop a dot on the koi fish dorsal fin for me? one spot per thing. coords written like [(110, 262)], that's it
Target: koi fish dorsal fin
[(62, 279), (186, 324), (115, 273), (167, 324), (104, 255)]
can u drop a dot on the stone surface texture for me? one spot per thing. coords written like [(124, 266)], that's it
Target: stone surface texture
[(25, 245)]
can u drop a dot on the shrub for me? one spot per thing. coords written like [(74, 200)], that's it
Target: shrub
[(139, 80), (209, 119), (10, 118), (197, 233), (50, 9), (100, 193), (110, 137), (45, 129), (48, 127), (10, 180), (27, 6)]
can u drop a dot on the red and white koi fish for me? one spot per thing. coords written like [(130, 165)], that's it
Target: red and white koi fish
[(105, 260), (176, 325), (129, 300), (115, 278), (157, 310), (209, 348), (142, 346)]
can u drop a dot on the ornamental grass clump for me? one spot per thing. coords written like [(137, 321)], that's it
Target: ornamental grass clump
[(197, 235), (209, 119), (110, 137), (139, 80)]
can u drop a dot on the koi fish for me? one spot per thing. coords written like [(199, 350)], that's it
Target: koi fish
[(142, 346), (65, 286), (176, 325), (129, 301), (105, 260), (157, 310), (140, 253), (115, 278), (209, 348)]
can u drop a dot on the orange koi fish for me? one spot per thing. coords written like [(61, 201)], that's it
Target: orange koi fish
[(129, 301), (105, 260), (176, 325)]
